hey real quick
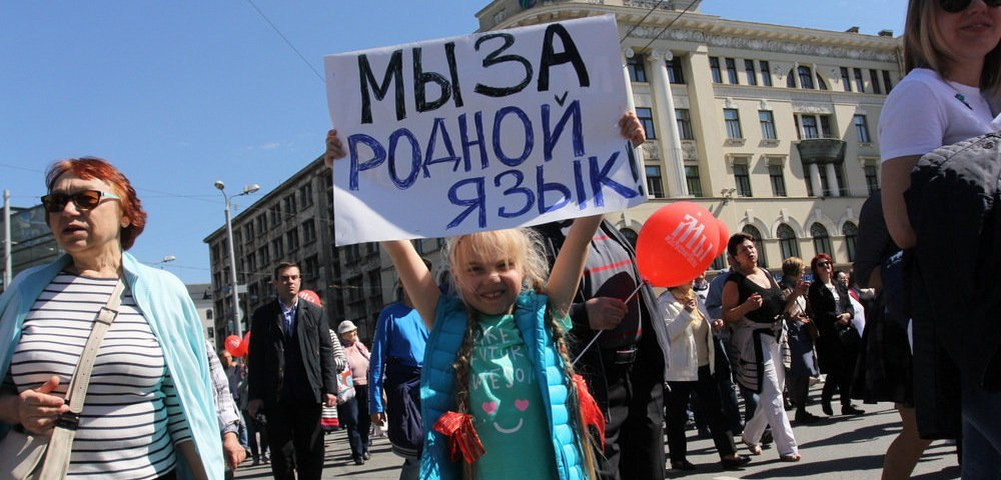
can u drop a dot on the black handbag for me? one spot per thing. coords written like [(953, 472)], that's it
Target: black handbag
[(848, 336)]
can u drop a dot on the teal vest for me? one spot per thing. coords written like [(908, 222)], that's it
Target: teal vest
[(438, 385)]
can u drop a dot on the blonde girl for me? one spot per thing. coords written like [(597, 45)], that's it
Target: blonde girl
[(499, 397)]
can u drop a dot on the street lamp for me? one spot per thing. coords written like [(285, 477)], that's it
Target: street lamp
[(247, 190), (165, 260)]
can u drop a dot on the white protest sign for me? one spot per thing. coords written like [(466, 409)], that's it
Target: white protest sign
[(494, 130)]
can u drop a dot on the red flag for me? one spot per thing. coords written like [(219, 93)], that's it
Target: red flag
[(462, 437), (589, 408)]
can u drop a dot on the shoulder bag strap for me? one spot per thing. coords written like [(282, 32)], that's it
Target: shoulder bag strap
[(57, 455)]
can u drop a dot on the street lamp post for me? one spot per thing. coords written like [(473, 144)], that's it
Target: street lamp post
[(247, 190)]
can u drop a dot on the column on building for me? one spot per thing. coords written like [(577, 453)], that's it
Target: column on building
[(832, 180), (818, 187), (672, 161)]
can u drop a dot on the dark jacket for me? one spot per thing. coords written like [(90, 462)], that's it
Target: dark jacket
[(823, 311), (951, 275), (267, 352)]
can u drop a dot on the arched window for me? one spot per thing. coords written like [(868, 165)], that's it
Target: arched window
[(821, 240), (821, 84), (759, 244), (790, 80), (850, 231), (787, 241), (805, 77)]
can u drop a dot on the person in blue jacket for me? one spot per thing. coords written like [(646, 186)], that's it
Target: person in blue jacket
[(150, 410)]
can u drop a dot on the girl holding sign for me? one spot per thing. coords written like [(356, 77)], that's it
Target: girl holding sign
[(500, 398)]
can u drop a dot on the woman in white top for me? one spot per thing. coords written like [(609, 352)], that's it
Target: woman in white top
[(691, 368), (952, 92)]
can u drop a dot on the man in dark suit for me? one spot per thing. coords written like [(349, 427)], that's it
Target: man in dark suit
[(291, 372)]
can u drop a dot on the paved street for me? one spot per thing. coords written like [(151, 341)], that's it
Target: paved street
[(835, 448)]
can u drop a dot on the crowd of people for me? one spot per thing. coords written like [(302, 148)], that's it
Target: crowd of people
[(546, 355)]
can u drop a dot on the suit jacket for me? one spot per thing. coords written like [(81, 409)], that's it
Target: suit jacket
[(267, 352)]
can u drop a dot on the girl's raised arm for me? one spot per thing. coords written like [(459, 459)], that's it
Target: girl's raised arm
[(416, 278), (569, 265)]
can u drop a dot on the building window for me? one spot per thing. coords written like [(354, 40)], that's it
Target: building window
[(808, 124), (731, 71), (805, 77), (637, 69), (861, 129), (742, 177), (886, 81), (821, 240), (767, 124), (654, 182), (645, 116), (759, 244), (276, 215), (777, 176), (262, 253), (752, 76), (850, 231), (292, 238), (684, 123), (872, 178), (766, 73), (846, 79), (693, 180), (311, 268), (874, 81), (821, 84), (278, 247), (825, 126), (309, 231), (290, 205), (674, 73), (732, 119), (714, 69), (306, 195), (839, 175), (787, 241), (262, 224), (859, 82)]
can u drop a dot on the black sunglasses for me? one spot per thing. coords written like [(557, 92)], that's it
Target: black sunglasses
[(956, 6), (85, 200)]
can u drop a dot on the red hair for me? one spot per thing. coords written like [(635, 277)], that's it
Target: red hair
[(97, 168), (819, 258)]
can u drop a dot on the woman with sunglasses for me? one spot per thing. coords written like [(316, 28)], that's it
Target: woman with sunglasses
[(148, 411), (952, 92), (832, 312)]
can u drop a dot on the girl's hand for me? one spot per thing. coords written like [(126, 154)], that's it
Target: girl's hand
[(335, 148), (632, 129)]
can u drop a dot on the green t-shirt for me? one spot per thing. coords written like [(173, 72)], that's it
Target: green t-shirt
[(506, 405)]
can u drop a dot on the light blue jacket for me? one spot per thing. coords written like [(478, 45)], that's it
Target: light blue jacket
[(438, 385), (174, 321)]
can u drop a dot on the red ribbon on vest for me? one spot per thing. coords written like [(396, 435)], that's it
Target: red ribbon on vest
[(589, 410), (462, 437)]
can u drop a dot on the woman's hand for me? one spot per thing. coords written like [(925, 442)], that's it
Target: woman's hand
[(753, 302), (844, 318), (690, 305), (632, 129), (335, 148), (38, 409)]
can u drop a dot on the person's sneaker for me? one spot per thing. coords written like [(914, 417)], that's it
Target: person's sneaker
[(359, 460), (257, 461), (806, 418), (683, 465), (366, 455)]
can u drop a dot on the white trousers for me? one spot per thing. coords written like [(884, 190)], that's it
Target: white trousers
[(771, 409)]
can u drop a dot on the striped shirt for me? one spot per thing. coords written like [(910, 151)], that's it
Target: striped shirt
[(132, 418)]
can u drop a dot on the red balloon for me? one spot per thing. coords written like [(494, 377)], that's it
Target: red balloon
[(724, 236), (677, 243), (310, 296), (233, 345)]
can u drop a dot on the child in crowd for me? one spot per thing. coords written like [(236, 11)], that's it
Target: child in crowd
[(499, 395)]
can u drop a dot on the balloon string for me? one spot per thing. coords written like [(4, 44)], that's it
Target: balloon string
[(596, 335)]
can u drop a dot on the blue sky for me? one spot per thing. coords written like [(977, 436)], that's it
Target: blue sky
[(178, 94)]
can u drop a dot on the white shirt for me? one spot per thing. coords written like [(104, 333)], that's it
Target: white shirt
[(923, 113)]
